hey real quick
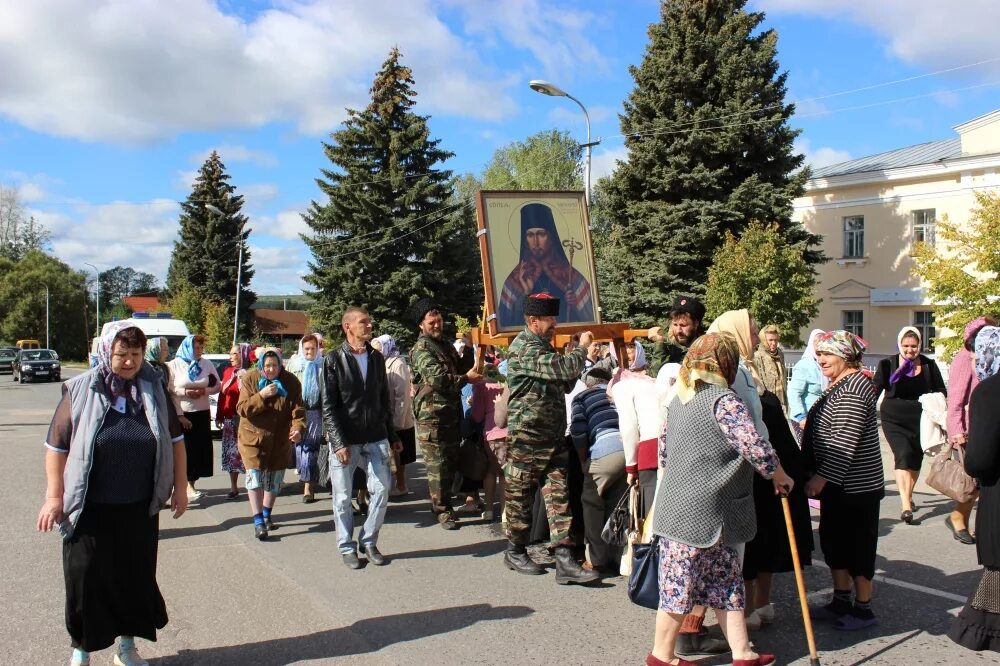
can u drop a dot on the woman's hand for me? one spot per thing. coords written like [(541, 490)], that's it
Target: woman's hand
[(185, 421), (51, 514), (194, 392), (958, 440), (269, 391), (783, 483), (295, 436), (815, 485), (179, 501), (397, 446), (632, 479), (802, 424)]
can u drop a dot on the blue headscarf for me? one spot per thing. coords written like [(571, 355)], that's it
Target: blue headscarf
[(987, 352), (311, 372), (186, 353), (264, 381)]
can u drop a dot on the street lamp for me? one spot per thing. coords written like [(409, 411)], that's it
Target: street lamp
[(47, 345), (98, 274), (239, 271), (552, 90)]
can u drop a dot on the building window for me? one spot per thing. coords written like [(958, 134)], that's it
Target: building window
[(854, 236), (923, 226), (854, 321), (923, 321)]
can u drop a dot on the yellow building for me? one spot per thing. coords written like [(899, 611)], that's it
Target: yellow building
[(871, 210)]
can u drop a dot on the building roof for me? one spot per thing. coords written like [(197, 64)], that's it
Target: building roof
[(142, 303), (922, 153), (281, 322)]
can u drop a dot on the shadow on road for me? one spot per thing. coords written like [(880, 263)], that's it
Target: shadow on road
[(363, 637)]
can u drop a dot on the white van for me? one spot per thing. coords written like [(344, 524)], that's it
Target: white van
[(159, 324)]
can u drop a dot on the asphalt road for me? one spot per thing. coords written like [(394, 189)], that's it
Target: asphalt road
[(444, 597)]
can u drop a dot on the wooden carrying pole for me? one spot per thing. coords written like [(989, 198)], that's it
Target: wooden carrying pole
[(800, 583)]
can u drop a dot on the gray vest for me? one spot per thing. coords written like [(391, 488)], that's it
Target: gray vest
[(89, 403), (706, 489)]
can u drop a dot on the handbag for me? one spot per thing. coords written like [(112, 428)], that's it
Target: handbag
[(634, 534), (948, 477), (643, 582), (473, 462), (616, 527)]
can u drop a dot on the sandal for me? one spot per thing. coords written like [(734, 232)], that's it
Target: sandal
[(232, 494)]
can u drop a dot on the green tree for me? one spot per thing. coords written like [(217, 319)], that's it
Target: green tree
[(22, 303), (19, 232), (760, 271), (963, 289), (187, 303), (710, 150), (391, 230), (218, 327), (548, 160), (122, 281), (206, 256)]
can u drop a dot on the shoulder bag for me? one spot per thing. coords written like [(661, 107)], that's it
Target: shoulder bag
[(643, 582)]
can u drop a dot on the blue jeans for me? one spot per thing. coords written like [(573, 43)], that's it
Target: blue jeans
[(373, 457)]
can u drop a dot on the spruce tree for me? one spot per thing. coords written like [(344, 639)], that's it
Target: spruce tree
[(392, 229), (206, 257), (710, 150)]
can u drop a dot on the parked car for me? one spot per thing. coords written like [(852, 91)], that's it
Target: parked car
[(28, 344), (221, 362), (7, 356), (37, 364)]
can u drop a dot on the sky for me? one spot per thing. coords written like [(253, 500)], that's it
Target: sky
[(108, 107)]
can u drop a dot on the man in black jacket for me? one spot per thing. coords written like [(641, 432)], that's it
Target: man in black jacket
[(358, 425)]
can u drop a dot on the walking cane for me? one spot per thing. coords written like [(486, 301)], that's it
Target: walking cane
[(800, 583)]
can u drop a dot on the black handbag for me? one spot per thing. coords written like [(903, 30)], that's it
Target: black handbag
[(643, 582), (616, 528), (473, 462)]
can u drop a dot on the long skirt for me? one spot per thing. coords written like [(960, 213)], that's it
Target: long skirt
[(232, 461), (691, 576), (198, 444), (901, 425), (307, 451), (109, 566), (977, 626), (409, 439)]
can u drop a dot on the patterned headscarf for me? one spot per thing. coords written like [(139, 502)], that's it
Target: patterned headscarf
[(776, 354), (844, 344), (908, 366), (640, 357), (712, 359), (153, 350), (736, 323), (987, 352), (311, 372), (247, 359), (263, 355), (186, 353), (117, 387), (388, 346)]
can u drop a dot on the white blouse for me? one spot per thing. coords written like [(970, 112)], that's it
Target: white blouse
[(179, 383)]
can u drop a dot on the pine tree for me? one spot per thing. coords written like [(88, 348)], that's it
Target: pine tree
[(206, 257), (392, 230), (710, 150)]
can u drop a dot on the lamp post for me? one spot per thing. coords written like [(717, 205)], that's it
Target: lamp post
[(546, 88), (98, 274), (47, 346), (239, 272)]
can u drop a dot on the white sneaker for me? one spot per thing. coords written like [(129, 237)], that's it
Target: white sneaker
[(73, 661), (765, 613), (488, 515), (129, 657), (195, 496)]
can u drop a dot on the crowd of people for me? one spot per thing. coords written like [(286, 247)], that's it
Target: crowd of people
[(708, 435)]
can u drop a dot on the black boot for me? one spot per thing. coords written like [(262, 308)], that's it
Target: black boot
[(516, 558), (568, 569)]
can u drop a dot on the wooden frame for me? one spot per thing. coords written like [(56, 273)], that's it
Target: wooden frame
[(499, 252)]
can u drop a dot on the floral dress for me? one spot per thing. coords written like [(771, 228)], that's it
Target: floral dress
[(713, 576), (226, 412)]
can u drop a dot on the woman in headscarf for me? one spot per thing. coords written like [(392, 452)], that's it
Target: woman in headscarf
[(272, 420), (397, 371), (978, 624), (307, 366), (841, 450), (962, 379), (226, 417), (704, 509), (637, 401), (904, 377), (748, 385), (115, 455), (770, 362), (192, 380), (807, 383)]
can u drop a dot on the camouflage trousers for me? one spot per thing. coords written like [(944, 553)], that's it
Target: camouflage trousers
[(528, 464), (440, 448)]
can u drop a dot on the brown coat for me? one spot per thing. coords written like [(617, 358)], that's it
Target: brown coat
[(266, 423)]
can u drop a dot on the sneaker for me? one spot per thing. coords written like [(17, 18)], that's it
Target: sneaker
[(77, 662), (488, 516), (765, 613), (831, 612), (852, 622), (195, 496), (752, 621), (351, 559), (129, 657)]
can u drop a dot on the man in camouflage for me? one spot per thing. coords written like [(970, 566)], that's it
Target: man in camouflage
[(437, 406), (539, 378)]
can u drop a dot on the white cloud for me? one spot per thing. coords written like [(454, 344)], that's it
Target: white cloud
[(236, 153), (30, 188), (819, 157), (568, 113), (810, 107), (257, 194), (132, 72), (605, 160), (278, 270), (184, 180)]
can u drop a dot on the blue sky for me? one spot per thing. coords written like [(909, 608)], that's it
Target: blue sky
[(107, 108)]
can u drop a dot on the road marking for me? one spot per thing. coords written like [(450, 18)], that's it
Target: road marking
[(882, 578)]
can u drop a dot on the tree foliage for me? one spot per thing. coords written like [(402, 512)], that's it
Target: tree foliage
[(710, 150), (217, 327), (548, 160), (19, 232), (391, 230), (187, 303), (962, 271), (760, 271), (122, 281)]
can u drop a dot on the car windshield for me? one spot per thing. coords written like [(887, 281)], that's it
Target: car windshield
[(38, 355), (8, 352), (220, 364)]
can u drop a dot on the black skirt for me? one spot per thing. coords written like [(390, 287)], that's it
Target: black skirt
[(901, 425), (198, 444), (109, 566), (409, 439), (977, 627)]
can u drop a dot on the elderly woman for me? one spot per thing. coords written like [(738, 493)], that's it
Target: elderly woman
[(841, 450), (308, 369), (192, 380), (770, 362), (397, 371), (807, 383), (115, 455), (226, 417), (704, 507), (978, 624), (904, 378), (272, 420), (962, 379)]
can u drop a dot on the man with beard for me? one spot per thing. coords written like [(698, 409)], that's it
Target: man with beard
[(437, 407), (685, 327), (539, 378)]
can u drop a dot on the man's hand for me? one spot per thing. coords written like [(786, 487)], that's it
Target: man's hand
[(815, 485), (473, 376), (343, 455), (397, 446), (179, 501), (295, 436), (51, 514), (655, 334), (586, 339)]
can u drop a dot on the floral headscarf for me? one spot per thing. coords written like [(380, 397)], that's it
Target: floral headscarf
[(263, 355), (116, 386), (152, 354), (844, 344), (640, 357), (712, 359), (987, 352), (908, 367), (388, 346), (736, 324), (186, 353)]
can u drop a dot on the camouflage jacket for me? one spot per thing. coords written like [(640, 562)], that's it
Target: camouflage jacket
[(437, 381), (539, 378)]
